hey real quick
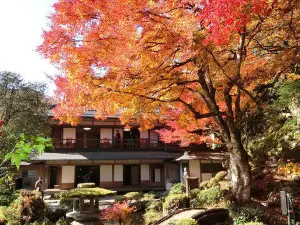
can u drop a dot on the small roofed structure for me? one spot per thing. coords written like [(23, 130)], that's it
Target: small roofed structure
[(202, 164)]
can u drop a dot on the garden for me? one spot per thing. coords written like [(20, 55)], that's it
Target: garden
[(27, 207)]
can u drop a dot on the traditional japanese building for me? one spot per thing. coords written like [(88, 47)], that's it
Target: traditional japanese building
[(116, 157)]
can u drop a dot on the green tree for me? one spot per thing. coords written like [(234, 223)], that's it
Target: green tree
[(23, 115), (275, 132)]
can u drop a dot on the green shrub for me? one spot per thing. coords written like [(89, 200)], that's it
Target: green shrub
[(153, 208), (120, 198), (185, 221), (12, 214), (155, 205), (151, 216), (246, 213), (28, 208), (193, 193), (134, 195), (221, 175), (54, 216), (213, 182), (42, 222), (174, 202), (148, 197), (7, 196), (253, 223), (178, 188), (86, 185), (64, 221), (2, 216), (206, 197), (204, 185)]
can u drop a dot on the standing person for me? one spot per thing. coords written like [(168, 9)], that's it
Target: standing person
[(118, 138), (39, 186)]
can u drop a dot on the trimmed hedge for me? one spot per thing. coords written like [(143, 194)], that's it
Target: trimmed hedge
[(174, 202), (204, 198), (204, 184), (221, 175), (214, 181)]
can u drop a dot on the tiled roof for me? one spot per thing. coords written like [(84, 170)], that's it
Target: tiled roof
[(124, 155)]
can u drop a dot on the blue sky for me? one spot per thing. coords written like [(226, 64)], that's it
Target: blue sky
[(21, 24)]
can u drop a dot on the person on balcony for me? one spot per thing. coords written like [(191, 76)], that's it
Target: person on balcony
[(118, 139)]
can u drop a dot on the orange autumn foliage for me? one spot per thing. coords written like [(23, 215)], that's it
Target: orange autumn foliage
[(198, 66)]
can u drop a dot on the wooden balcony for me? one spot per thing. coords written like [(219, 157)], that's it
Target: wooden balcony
[(110, 144)]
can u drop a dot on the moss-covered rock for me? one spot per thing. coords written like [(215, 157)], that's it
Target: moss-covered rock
[(174, 202)]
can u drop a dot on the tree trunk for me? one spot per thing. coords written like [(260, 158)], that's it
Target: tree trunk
[(240, 172)]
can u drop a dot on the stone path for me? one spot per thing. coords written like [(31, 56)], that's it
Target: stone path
[(185, 214)]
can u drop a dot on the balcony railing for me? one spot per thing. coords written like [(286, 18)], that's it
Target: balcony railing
[(142, 143)]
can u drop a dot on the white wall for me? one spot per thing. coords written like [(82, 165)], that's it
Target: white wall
[(118, 172), (68, 174), (106, 173), (69, 133), (106, 133), (145, 172), (157, 175), (194, 168)]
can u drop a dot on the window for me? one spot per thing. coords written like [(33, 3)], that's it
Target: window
[(211, 167), (156, 174), (29, 173), (69, 135)]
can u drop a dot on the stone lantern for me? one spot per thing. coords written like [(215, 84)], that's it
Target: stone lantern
[(86, 203)]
